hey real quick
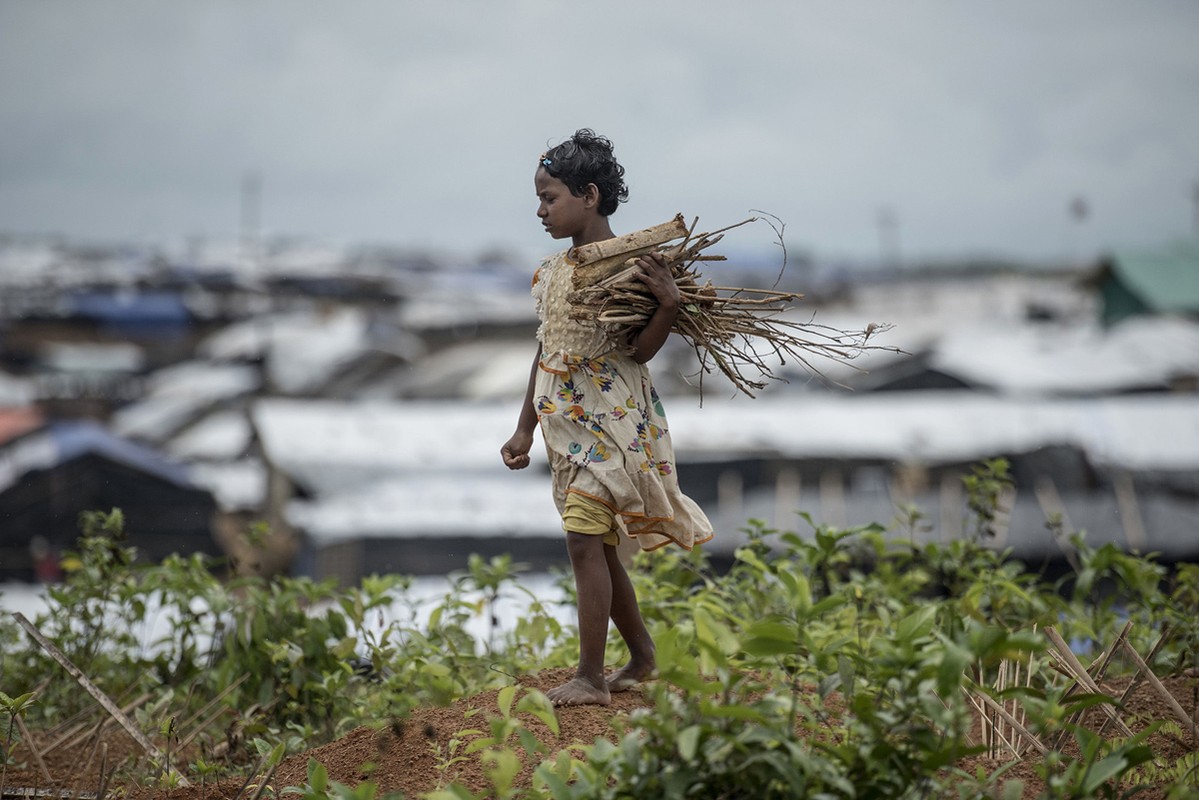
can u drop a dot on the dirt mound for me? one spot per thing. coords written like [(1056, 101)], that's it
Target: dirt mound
[(413, 756), (419, 754)]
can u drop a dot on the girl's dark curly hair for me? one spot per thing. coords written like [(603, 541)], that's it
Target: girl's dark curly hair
[(587, 158)]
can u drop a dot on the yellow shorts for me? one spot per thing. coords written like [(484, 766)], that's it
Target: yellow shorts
[(582, 514)]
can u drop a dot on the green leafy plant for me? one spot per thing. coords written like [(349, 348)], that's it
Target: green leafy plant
[(14, 707), (984, 487)]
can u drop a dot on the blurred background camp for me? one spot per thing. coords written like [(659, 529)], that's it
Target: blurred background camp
[(264, 266)]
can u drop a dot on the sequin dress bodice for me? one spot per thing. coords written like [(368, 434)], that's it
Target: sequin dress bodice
[(558, 333)]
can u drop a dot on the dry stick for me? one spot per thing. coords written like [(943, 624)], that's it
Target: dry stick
[(636, 242), (1016, 705), (1000, 710), (1004, 669), (104, 774), (1187, 722), (184, 742), (91, 689), (80, 736), (1107, 656), (1136, 678), (994, 721), (712, 324), (977, 707), (77, 732), (987, 733), (1033, 665), (200, 728), (1084, 677), (1100, 666), (95, 746), (266, 779), (984, 712), (27, 737), (69, 729), (246, 783)]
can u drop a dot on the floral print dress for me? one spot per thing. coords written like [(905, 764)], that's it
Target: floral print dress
[(603, 424)]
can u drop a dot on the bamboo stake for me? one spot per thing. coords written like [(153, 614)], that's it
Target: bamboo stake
[(1016, 707), (1001, 711), (1107, 656), (1187, 722), (92, 689), (1033, 665), (1081, 675), (1136, 678), (1100, 666)]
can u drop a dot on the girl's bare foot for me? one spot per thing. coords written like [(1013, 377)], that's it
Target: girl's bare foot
[(579, 692), (629, 676)]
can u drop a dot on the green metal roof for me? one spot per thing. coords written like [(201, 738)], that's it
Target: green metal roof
[(1165, 280)]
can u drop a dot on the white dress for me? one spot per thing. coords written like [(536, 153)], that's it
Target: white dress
[(603, 424)]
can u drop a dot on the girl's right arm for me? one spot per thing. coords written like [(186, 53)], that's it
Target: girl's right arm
[(515, 451)]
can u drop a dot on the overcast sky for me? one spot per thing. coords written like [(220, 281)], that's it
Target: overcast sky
[(972, 125)]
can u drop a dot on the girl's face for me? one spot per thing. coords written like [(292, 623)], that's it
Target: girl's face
[(562, 214)]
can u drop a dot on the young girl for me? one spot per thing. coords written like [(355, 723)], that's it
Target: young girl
[(603, 425)]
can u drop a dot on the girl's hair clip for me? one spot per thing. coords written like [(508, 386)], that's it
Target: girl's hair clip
[(545, 162)]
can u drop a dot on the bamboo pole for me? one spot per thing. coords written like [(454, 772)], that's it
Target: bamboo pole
[(1015, 723), (1100, 667), (1175, 708), (1076, 670), (1136, 678)]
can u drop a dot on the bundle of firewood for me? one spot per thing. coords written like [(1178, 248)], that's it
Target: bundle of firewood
[(740, 331)]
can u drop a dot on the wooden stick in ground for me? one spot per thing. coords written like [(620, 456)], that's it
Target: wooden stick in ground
[(1097, 671), (1106, 661), (1082, 676), (82, 735), (1015, 705), (1000, 710), (92, 689), (94, 749), (977, 706), (1187, 722), (102, 789), (27, 738), (186, 740), (1136, 677)]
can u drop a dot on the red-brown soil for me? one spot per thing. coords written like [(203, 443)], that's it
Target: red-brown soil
[(405, 755)]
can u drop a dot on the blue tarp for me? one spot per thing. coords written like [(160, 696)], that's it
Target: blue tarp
[(73, 439), (129, 308)]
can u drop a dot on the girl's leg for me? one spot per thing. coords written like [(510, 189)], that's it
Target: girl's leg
[(626, 614), (593, 585)]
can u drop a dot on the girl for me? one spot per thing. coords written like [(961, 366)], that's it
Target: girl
[(604, 428)]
